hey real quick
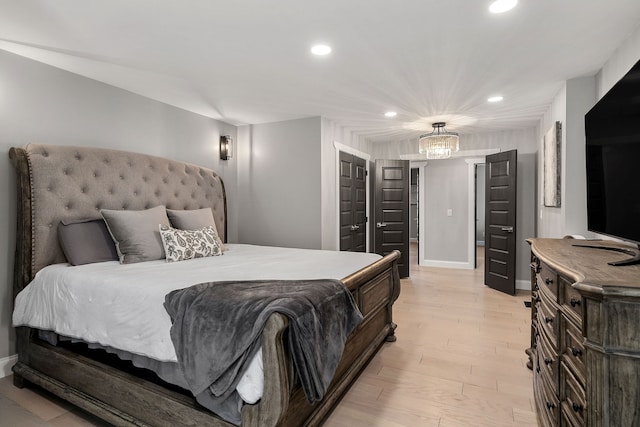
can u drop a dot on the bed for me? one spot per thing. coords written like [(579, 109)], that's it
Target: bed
[(64, 183)]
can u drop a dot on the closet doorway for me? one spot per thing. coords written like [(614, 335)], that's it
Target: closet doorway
[(480, 215), (414, 214)]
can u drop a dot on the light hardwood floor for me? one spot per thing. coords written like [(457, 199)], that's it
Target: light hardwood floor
[(459, 361)]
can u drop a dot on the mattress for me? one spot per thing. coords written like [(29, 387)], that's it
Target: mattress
[(120, 307)]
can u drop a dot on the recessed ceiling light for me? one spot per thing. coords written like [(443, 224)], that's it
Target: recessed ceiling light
[(497, 98), (390, 114), (321, 49), (501, 6)]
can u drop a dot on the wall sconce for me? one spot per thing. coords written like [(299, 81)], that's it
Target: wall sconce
[(226, 147)]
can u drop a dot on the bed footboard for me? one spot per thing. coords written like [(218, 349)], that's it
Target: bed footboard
[(375, 289)]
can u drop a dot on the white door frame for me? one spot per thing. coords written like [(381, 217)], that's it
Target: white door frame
[(471, 255), (420, 165)]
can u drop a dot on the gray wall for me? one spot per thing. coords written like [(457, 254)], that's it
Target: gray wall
[(575, 98), (581, 96), (42, 104), (446, 187), (551, 220), (446, 238), (279, 184), (627, 54)]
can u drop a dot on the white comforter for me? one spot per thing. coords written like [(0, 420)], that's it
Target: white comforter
[(121, 306)]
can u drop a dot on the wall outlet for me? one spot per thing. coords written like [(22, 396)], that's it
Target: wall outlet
[(449, 212)]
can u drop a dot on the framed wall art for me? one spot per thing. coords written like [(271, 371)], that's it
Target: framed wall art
[(551, 158)]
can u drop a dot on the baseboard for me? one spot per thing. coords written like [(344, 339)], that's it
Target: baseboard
[(525, 285), (5, 365), (447, 264)]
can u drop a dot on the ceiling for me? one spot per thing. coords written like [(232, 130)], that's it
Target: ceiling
[(248, 61)]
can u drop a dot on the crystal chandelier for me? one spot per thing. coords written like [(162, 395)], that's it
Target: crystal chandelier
[(439, 144)]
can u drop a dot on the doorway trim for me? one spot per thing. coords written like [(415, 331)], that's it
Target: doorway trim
[(471, 162), (350, 150), (471, 254), (421, 166)]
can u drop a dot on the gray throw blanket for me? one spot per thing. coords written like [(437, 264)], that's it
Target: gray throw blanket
[(217, 328)]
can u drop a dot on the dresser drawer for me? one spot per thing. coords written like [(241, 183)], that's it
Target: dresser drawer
[(548, 403), (570, 297), (549, 362), (568, 419), (539, 393), (548, 322), (573, 349), (572, 397), (548, 279)]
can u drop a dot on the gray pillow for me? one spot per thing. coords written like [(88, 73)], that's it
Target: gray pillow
[(195, 219), (86, 241), (136, 233)]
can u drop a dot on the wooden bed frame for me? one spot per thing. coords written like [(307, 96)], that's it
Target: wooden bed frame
[(61, 183)]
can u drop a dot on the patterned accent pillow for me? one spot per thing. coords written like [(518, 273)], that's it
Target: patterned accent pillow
[(180, 245)]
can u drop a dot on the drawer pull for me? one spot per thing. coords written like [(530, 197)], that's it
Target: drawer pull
[(548, 281), (574, 302), (576, 352), (551, 405), (548, 319), (548, 361), (577, 407)]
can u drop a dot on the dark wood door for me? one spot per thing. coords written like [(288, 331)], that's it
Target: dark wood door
[(500, 221), (392, 210), (353, 203)]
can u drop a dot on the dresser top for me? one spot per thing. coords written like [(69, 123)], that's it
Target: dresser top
[(588, 266)]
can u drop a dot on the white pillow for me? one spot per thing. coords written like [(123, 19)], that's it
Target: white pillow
[(180, 245)]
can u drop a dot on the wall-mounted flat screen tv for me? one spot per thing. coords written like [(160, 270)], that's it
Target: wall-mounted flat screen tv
[(612, 130)]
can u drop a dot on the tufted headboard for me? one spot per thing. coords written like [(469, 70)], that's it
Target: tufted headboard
[(71, 183)]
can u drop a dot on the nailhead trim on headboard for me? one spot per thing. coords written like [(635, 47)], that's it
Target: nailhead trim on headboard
[(72, 183)]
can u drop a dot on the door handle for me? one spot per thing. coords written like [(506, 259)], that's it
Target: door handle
[(381, 225), (508, 229), (355, 227)]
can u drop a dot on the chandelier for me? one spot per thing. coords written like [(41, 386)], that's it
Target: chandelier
[(439, 144)]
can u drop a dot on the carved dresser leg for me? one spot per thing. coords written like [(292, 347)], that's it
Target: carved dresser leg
[(18, 381)]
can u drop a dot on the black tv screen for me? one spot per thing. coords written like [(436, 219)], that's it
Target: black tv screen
[(612, 130)]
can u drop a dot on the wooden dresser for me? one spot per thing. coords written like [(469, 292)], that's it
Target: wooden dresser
[(585, 335)]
